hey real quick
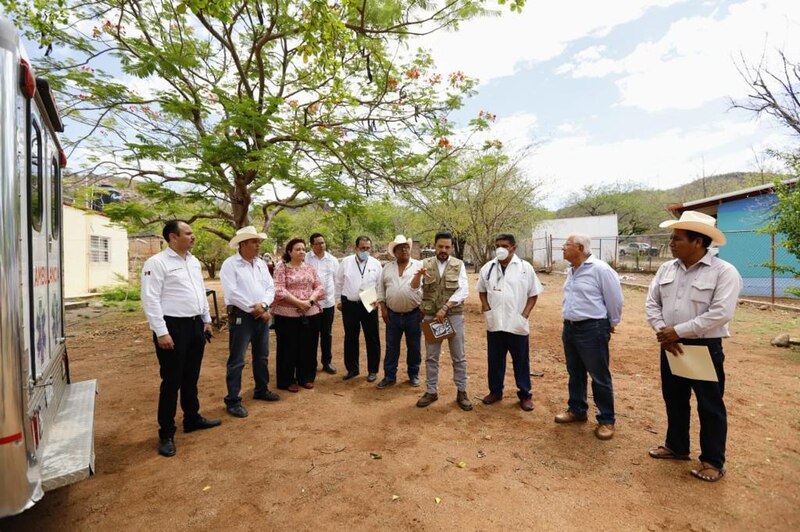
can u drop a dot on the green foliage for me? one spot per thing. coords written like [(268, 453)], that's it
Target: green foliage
[(121, 292), (636, 211), (235, 109)]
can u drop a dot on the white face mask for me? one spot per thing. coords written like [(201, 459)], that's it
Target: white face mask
[(501, 253), (363, 255)]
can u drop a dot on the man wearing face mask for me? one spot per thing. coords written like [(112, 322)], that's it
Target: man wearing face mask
[(356, 274), (508, 288), (443, 293)]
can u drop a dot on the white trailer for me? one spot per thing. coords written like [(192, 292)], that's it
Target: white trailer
[(46, 422)]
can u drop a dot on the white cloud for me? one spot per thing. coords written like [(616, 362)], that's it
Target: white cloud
[(696, 61), (488, 48)]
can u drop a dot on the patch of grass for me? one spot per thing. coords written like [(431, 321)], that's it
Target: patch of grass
[(125, 292)]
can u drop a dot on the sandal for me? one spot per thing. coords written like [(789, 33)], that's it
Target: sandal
[(698, 473), (665, 453)]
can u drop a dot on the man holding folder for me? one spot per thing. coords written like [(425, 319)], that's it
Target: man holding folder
[(690, 303)]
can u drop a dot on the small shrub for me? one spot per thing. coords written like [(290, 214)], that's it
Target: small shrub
[(125, 292)]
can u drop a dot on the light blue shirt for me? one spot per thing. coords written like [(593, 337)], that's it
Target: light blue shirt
[(592, 292)]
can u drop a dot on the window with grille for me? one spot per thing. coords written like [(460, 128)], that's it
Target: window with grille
[(99, 249)]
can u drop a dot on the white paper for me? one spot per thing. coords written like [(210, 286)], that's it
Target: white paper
[(368, 298), (695, 363)]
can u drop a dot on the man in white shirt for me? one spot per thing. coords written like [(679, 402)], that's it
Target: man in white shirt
[(443, 293), (508, 288), (691, 301), (399, 305), (249, 292), (326, 266), (356, 274), (175, 304)]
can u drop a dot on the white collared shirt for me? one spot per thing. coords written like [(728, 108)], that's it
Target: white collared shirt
[(396, 291), (462, 292), (326, 269), (246, 285), (698, 302), (354, 276), (173, 286), (508, 293)]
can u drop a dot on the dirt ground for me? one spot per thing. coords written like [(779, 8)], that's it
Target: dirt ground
[(349, 456)]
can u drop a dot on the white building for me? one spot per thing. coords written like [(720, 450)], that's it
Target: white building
[(95, 252), (550, 235)]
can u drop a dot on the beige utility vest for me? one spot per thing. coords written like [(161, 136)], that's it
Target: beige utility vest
[(436, 290)]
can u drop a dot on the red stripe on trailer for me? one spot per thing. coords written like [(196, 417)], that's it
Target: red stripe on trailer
[(11, 439)]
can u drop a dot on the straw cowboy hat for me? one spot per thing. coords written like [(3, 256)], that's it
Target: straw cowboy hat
[(399, 239), (699, 223), (246, 233)]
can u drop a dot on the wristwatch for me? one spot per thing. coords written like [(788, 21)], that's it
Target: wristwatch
[(265, 307)]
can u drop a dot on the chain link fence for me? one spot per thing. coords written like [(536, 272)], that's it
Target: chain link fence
[(758, 256)]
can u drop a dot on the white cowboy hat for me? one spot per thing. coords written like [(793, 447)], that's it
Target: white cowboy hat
[(399, 239), (699, 223), (246, 233)]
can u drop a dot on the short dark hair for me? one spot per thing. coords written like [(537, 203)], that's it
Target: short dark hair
[(694, 235), (506, 236), (289, 245), (171, 227), (363, 237), (442, 234), (314, 236)]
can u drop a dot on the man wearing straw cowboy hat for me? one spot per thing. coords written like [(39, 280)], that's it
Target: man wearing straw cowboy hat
[(691, 301), (399, 306), (249, 291)]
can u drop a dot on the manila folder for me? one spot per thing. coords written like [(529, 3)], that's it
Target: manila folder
[(695, 363)]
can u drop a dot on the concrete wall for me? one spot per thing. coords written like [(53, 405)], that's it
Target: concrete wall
[(81, 275), (603, 231)]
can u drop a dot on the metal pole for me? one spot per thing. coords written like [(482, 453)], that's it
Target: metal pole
[(772, 263)]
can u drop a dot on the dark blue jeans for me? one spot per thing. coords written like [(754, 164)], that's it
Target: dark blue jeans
[(246, 330), (586, 351), (407, 323), (500, 343), (710, 407)]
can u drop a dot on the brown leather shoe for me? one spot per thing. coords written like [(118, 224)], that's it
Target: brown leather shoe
[(427, 399), (463, 401), (526, 404), (491, 399), (308, 385), (569, 417), (604, 431)]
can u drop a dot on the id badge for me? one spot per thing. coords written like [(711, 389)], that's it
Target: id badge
[(238, 321)]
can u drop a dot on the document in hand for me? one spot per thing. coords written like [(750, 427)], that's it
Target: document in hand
[(368, 298), (435, 332), (695, 363)]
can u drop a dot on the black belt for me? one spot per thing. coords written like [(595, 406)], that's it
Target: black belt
[(412, 311), (700, 341), (198, 317), (576, 323)]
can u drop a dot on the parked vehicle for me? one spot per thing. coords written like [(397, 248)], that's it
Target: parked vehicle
[(46, 422), (639, 248)]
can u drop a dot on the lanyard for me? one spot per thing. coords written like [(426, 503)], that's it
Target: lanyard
[(360, 269)]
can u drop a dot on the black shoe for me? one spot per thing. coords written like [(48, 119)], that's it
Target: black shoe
[(350, 375), (414, 381), (372, 377), (237, 410), (385, 383), (202, 423), (166, 447), (269, 395), (329, 369)]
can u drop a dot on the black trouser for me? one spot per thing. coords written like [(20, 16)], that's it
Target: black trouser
[(180, 370), (354, 318), (710, 407), (326, 335), (296, 357)]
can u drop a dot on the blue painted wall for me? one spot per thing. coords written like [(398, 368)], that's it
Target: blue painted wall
[(748, 250)]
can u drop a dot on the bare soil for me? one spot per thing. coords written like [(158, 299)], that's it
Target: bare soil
[(349, 456)]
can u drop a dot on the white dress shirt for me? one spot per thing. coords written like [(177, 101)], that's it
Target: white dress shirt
[(246, 285), (173, 286), (395, 290), (354, 276), (698, 302), (462, 292), (326, 269), (508, 293)]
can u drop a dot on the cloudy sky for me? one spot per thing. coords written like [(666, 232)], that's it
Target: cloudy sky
[(623, 90)]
